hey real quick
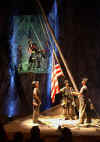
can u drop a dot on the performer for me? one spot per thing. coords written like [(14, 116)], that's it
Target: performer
[(36, 101), (68, 101), (32, 49), (84, 103), (35, 55), (75, 105), (38, 59)]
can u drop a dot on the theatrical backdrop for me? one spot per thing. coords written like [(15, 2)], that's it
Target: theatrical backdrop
[(27, 44)]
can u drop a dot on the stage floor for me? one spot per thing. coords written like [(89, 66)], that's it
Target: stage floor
[(49, 126)]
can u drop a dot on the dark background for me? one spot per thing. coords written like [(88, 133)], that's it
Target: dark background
[(79, 41)]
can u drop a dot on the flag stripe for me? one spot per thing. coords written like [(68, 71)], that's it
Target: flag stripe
[(56, 72)]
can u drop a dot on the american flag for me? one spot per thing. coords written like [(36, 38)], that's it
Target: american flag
[(56, 72)]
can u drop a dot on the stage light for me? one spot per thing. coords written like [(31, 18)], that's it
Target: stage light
[(11, 103), (53, 20)]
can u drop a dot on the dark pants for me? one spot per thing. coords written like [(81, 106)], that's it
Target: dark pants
[(32, 61)]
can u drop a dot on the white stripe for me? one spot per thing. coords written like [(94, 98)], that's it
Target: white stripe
[(55, 84)]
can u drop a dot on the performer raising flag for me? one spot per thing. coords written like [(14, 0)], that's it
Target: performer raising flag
[(56, 72)]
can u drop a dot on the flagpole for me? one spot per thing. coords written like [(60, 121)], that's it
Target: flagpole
[(56, 56), (58, 47)]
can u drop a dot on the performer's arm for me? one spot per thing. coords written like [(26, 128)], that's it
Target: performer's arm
[(76, 93), (62, 89)]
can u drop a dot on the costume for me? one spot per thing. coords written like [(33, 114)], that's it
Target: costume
[(36, 104), (84, 105), (68, 103), (33, 57)]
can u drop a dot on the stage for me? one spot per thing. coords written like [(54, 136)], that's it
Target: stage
[(49, 124)]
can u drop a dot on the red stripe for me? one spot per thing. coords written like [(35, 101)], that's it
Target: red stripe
[(55, 91), (54, 84), (56, 72), (57, 66), (55, 87), (53, 96)]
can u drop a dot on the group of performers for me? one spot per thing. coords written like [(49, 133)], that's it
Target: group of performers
[(76, 104), (35, 55), (73, 109)]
